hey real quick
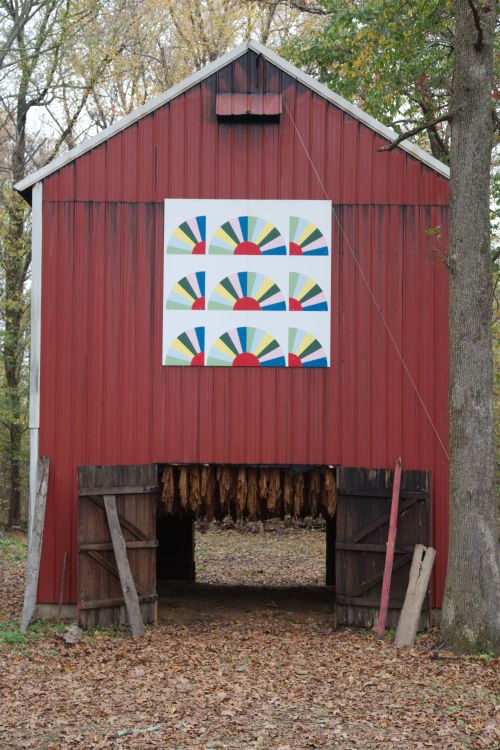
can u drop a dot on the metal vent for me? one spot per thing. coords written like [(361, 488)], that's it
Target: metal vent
[(249, 106)]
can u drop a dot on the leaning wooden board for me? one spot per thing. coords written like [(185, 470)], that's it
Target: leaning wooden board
[(100, 596)]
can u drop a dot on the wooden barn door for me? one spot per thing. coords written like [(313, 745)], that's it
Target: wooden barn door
[(100, 599), (363, 506)]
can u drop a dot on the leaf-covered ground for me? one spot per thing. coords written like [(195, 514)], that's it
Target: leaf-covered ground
[(231, 669), (279, 557)]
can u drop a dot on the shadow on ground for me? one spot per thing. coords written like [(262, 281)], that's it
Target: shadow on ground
[(184, 603)]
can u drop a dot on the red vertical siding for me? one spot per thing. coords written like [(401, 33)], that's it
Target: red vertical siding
[(106, 397)]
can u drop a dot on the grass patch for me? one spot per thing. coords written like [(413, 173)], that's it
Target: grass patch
[(10, 633), (486, 657), (42, 630), (111, 631), (13, 548)]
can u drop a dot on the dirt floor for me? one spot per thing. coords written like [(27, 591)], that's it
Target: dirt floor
[(232, 667), (279, 557)]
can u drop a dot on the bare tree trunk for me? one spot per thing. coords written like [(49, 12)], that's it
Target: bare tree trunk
[(266, 29), (471, 611), (13, 349), (13, 352), (16, 261)]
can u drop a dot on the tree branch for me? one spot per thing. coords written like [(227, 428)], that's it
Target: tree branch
[(409, 133), (315, 10), (304, 6), (477, 23), (439, 146)]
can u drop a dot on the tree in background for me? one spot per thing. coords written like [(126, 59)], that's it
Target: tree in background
[(168, 41), (391, 58), (26, 73)]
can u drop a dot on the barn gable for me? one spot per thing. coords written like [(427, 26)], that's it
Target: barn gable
[(247, 78)]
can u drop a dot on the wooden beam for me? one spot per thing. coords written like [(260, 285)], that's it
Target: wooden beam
[(110, 567), (420, 572), (128, 586), (331, 526), (362, 547), (97, 500), (381, 521), (371, 582), (107, 546), (114, 602), (35, 546), (370, 493), (389, 558), (373, 603), (136, 490), (61, 588)]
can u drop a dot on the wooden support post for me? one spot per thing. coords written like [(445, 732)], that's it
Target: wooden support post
[(331, 524), (127, 582), (421, 568), (389, 555), (35, 543), (61, 589)]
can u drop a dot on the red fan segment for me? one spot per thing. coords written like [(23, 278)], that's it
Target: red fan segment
[(246, 303), (246, 359), (295, 249), (198, 360), (294, 360), (247, 248), (198, 304)]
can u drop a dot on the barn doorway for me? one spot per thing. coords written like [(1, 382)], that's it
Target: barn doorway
[(157, 508), (237, 540)]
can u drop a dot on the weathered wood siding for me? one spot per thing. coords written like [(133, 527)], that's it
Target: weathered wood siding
[(100, 596)]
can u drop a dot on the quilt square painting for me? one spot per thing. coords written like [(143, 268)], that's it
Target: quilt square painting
[(247, 283)]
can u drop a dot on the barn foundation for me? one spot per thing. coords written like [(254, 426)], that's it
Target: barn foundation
[(330, 551)]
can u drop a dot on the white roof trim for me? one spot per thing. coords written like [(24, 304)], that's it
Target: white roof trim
[(208, 70)]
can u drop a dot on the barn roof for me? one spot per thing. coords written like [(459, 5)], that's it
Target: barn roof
[(158, 101)]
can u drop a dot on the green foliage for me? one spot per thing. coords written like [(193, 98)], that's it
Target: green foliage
[(15, 257), (10, 634), (487, 657), (112, 631), (392, 58), (12, 549)]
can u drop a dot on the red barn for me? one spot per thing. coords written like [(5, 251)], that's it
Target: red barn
[(248, 126)]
